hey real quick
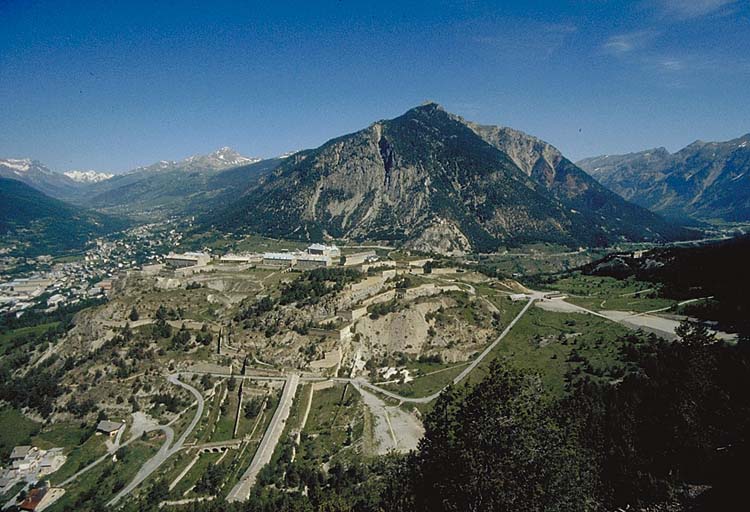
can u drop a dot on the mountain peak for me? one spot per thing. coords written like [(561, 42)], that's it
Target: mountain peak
[(223, 158), (427, 180), (87, 176), (427, 107), (703, 180), (17, 164)]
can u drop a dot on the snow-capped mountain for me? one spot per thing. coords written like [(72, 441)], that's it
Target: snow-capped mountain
[(222, 158), (17, 165), (87, 176), (36, 175)]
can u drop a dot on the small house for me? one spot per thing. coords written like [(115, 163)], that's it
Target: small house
[(111, 428)]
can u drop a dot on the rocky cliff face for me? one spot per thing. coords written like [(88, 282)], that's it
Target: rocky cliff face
[(428, 180), (705, 180)]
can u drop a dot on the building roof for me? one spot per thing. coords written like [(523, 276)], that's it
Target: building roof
[(239, 257), (187, 256), (317, 247), (108, 426), (49, 459), (279, 256), (34, 498), (20, 452), (363, 254)]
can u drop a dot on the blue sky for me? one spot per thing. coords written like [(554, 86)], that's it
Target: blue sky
[(110, 86)]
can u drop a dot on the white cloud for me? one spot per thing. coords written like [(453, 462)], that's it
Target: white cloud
[(621, 44), (688, 9), (519, 36), (672, 65)]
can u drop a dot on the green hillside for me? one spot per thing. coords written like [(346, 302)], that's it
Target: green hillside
[(32, 223)]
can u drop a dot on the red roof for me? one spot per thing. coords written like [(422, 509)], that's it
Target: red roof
[(34, 498)]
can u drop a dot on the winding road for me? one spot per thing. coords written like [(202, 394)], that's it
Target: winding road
[(461, 376), (167, 449)]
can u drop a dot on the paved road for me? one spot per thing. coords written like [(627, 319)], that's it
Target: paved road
[(198, 413), (95, 463), (460, 376), (241, 491), (136, 432), (168, 448), (648, 320)]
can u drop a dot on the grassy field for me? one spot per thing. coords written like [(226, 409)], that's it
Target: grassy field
[(225, 424), (195, 473), (182, 423), (539, 258), (79, 457), (101, 483), (432, 380), (238, 461), (599, 293), (254, 243), (249, 243), (172, 467), (247, 424), (7, 338), (331, 413), (508, 309), (542, 342), (297, 411), (205, 426), (15, 429)]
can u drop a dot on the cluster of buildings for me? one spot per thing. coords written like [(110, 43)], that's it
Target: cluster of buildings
[(52, 285), (315, 256), (187, 259), (60, 286), (41, 497), (30, 464)]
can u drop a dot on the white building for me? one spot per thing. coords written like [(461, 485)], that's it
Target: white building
[(324, 250), (55, 300), (241, 258), (308, 261), (188, 259), (279, 259)]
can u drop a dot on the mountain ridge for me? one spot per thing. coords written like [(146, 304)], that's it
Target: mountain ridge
[(703, 180), (429, 180), (36, 223)]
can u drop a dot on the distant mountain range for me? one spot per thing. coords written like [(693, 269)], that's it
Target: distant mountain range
[(705, 180), (164, 188), (174, 189), (435, 182), (429, 180), (38, 224), (36, 175), (223, 158), (87, 176)]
